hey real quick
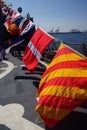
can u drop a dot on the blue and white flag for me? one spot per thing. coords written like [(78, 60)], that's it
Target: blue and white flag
[(25, 26), (16, 42)]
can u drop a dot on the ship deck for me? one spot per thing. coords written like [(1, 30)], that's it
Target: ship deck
[(18, 99)]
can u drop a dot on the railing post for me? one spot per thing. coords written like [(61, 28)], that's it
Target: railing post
[(84, 49)]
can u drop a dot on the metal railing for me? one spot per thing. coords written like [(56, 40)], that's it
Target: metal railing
[(52, 48)]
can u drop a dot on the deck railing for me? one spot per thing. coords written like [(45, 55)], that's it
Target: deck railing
[(52, 48)]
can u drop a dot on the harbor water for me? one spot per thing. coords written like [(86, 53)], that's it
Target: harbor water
[(77, 41), (72, 37)]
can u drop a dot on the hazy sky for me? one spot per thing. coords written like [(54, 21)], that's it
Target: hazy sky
[(48, 14)]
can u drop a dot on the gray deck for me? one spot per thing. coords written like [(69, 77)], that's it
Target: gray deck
[(18, 96), (18, 99)]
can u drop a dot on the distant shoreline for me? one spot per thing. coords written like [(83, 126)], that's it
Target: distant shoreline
[(62, 32)]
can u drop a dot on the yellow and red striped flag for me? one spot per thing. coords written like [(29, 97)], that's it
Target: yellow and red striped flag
[(63, 86)]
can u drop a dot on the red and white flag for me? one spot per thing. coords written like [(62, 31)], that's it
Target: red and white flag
[(36, 46)]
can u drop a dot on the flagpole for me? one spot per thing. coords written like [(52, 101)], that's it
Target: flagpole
[(43, 63)]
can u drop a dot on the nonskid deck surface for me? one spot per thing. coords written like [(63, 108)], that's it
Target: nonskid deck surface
[(18, 99), (18, 95)]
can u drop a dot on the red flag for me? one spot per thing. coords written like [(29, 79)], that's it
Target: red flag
[(39, 41)]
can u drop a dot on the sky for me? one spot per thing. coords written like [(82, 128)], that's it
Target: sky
[(53, 14)]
